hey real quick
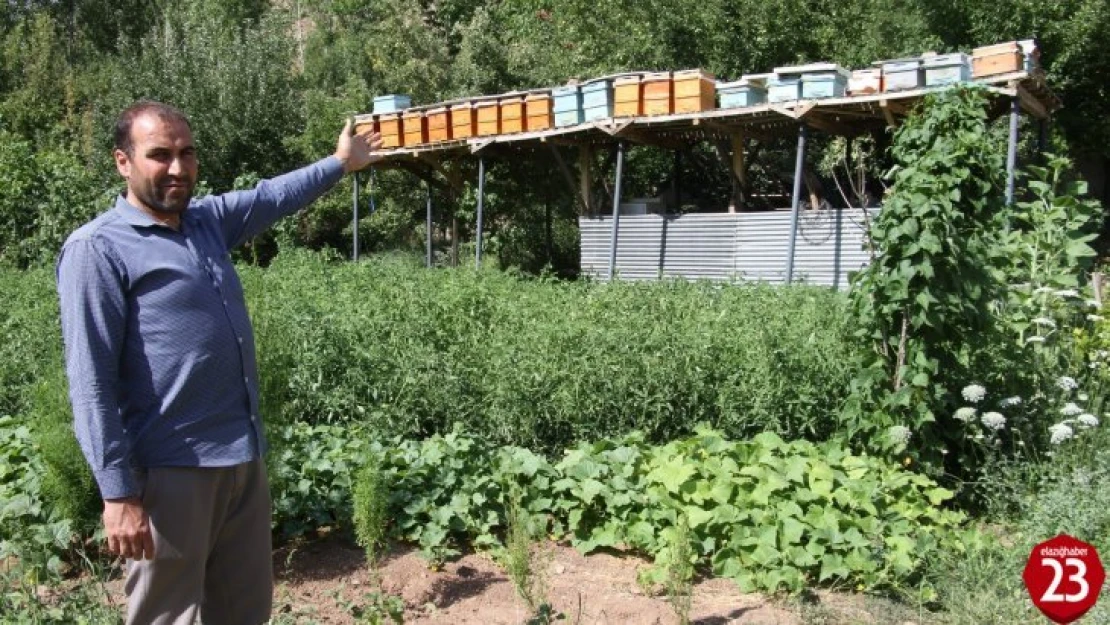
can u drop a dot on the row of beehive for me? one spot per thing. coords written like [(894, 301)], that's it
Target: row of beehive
[(690, 91)]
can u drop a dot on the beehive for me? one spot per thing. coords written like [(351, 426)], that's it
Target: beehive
[(784, 88), (512, 114), (748, 91), (658, 91), (1001, 58), (865, 81), (537, 108), (464, 124), (567, 105), (489, 118), (390, 127), (391, 103), (415, 127), (902, 74), (694, 91), (439, 124), (946, 69), (628, 100), (597, 99)]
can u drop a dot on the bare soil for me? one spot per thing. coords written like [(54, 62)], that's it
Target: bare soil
[(327, 581)]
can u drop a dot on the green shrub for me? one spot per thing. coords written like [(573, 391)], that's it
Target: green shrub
[(539, 363), (771, 515)]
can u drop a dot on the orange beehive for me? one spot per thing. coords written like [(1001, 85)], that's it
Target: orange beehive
[(1001, 58), (658, 94), (512, 114), (439, 124), (694, 91), (463, 122), (390, 127), (415, 127), (489, 118), (628, 100), (537, 107)]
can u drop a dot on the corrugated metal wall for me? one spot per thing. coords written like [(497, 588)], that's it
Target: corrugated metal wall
[(728, 246)]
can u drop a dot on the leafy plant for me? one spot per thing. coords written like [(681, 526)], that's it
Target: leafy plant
[(922, 305)]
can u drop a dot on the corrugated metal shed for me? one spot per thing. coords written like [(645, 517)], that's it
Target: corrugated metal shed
[(728, 246)]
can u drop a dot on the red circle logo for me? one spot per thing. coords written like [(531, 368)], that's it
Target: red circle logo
[(1064, 576)]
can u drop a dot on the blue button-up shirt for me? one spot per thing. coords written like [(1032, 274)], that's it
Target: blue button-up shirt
[(159, 349)]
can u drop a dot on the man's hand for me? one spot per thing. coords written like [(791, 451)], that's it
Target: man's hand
[(128, 529), (357, 150)]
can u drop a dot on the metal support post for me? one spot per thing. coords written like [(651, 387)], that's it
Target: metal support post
[(481, 201), (1011, 152), (616, 211), (428, 227), (795, 201)]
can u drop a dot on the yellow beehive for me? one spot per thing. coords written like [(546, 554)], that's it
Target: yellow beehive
[(463, 121), (628, 100), (694, 91), (1001, 58), (390, 127), (658, 94), (512, 114), (537, 107), (439, 124), (489, 118), (415, 127)]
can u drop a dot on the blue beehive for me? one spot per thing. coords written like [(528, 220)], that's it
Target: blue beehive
[(946, 69), (902, 74), (784, 88), (391, 103), (748, 91), (825, 80), (597, 99), (567, 105)]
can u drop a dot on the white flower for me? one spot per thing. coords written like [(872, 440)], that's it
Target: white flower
[(993, 420), (1067, 383), (965, 414), (899, 434), (1071, 409), (1094, 317), (1067, 293), (1087, 420), (1094, 303), (974, 393), (1045, 321), (1083, 397), (1035, 339), (1059, 433), (1010, 402), (1102, 354), (1043, 289)]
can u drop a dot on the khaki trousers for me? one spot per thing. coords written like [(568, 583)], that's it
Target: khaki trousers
[(212, 550)]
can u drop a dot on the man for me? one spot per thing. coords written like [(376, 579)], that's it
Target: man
[(162, 371)]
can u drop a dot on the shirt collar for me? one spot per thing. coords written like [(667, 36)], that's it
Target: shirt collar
[(132, 215)]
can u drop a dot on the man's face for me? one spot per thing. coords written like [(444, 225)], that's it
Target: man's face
[(161, 170)]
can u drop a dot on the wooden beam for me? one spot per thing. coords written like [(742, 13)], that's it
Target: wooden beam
[(1031, 104), (585, 177), (889, 109), (568, 177), (823, 123)]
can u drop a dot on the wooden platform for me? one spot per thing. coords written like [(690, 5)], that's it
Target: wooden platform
[(846, 116)]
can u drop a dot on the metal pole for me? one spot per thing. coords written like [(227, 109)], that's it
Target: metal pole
[(481, 201), (795, 200), (428, 227), (354, 220), (1011, 153), (616, 211)]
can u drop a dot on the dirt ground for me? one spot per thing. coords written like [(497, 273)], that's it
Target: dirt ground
[(326, 581)]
